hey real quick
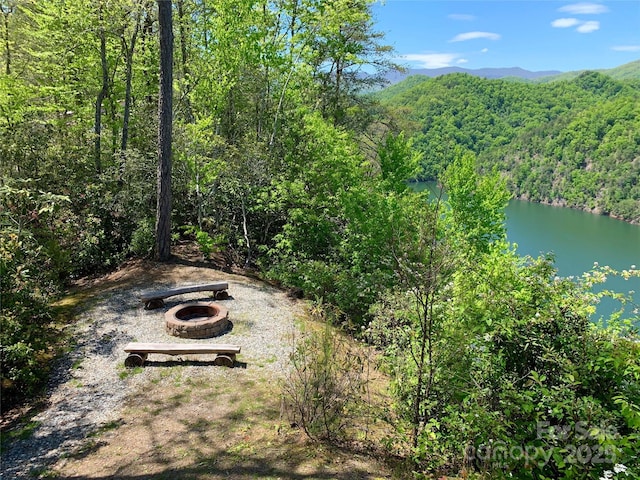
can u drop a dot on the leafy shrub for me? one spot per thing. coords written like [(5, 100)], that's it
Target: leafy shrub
[(143, 238), (324, 386), (205, 241), (523, 384), (30, 268)]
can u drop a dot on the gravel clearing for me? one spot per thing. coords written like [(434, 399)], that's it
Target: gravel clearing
[(90, 384)]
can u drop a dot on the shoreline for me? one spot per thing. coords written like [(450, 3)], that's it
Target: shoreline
[(561, 203)]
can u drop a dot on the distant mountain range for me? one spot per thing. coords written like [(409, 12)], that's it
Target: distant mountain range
[(624, 72), (516, 72), (628, 71)]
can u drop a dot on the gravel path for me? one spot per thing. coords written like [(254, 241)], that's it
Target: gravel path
[(90, 384)]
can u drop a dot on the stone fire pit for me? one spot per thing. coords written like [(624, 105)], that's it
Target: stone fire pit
[(197, 320)]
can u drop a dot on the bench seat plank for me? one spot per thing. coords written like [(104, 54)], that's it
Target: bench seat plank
[(182, 348), (218, 286)]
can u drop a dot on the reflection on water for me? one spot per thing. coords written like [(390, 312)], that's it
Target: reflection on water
[(577, 240)]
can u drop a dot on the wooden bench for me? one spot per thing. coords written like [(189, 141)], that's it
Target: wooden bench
[(153, 300), (225, 354)]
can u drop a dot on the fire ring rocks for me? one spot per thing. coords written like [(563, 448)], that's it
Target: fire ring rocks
[(197, 320)]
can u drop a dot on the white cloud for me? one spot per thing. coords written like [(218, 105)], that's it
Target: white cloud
[(432, 60), (583, 27), (462, 37), (462, 60), (462, 17), (584, 8), (588, 27), (484, 50), (626, 48), (565, 22)]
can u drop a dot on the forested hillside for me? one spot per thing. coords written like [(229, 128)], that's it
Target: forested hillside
[(280, 166), (574, 143), (628, 71)]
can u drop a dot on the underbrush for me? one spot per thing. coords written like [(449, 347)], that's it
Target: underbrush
[(334, 391)]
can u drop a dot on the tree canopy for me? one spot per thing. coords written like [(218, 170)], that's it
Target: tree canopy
[(572, 142), (280, 165)]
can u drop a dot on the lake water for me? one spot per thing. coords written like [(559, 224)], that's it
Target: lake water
[(577, 240)]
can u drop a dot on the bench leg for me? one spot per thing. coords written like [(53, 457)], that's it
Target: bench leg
[(135, 360), (155, 303), (221, 295), (225, 360)]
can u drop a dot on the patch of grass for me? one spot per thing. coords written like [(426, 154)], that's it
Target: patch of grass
[(65, 308), (112, 425), (249, 383), (154, 412), (125, 372), (183, 452), (241, 324), (199, 425), (43, 472), (197, 382), (237, 415), (175, 373), (163, 374), (180, 397), (23, 431), (207, 463), (212, 394), (263, 362), (242, 448)]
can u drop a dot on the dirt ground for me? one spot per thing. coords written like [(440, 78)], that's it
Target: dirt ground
[(179, 427), (188, 429)]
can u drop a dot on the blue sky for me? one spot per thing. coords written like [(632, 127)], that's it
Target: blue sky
[(532, 34)]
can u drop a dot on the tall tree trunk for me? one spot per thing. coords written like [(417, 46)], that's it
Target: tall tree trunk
[(147, 37), (184, 61), (163, 214), (6, 11), (128, 51), (97, 129), (245, 230)]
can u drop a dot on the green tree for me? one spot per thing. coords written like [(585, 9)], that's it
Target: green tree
[(339, 42), (477, 203), (7, 8)]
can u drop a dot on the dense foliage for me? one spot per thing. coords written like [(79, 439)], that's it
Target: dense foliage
[(30, 265), (266, 102), (573, 143), (279, 164), (496, 365)]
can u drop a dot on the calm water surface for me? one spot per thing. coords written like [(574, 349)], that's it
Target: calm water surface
[(577, 240)]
